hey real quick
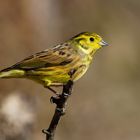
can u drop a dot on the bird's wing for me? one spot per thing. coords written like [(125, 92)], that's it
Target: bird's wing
[(57, 56)]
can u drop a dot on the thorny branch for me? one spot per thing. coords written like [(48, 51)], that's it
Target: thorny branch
[(60, 102)]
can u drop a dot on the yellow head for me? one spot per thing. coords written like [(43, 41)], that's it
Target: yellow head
[(89, 42)]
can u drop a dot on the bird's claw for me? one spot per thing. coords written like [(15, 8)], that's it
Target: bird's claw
[(54, 98)]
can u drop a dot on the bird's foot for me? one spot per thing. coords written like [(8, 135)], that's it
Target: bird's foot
[(52, 90), (55, 99)]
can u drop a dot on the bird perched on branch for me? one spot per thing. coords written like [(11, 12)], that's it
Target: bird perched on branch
[(59, 64)]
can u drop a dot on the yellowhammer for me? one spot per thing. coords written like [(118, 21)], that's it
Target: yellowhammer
[(56, 66)]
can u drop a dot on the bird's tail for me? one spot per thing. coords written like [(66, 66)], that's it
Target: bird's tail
[(13, 73)]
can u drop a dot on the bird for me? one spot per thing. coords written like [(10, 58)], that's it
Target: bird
[(59, 64)]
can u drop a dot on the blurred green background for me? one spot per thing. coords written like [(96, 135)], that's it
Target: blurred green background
[(105, 104)]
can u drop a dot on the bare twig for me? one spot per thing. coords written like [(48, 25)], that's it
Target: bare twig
[(60, 102)]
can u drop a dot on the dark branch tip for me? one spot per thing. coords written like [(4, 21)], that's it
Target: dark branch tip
[(47, 132)]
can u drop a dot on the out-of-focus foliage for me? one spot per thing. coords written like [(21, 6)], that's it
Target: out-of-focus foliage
[(106, 102)]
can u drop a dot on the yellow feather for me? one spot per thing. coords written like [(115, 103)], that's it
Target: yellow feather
[(12, 74)]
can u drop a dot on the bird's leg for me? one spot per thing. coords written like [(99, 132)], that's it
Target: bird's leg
[(51, 89), (57, 95)]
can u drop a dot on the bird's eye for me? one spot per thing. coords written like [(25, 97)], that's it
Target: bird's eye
[(91, 39)]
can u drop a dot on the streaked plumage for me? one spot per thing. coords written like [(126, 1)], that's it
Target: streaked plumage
[(57, 65)]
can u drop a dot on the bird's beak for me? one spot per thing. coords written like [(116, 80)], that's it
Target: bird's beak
[(103, 43)]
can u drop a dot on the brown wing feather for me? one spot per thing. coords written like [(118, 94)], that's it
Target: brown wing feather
[(57, 56)]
